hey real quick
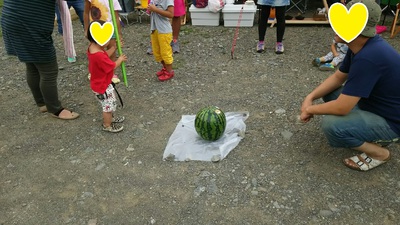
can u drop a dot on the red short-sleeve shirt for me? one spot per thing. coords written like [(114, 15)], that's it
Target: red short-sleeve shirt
[(101, 69)]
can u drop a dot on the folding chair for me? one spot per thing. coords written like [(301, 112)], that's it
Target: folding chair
[(388, 4), (301, 5), (141, 9), (127, 9), (395, 29)]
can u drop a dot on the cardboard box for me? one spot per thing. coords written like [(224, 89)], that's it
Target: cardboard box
[(203, 17), (231, 14)]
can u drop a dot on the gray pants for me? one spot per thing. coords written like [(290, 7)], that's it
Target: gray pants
[(42, 80)]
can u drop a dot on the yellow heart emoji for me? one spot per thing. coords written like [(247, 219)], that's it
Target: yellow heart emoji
[(348, 24), (101, 33)]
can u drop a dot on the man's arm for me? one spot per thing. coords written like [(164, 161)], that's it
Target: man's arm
[(341, 106)]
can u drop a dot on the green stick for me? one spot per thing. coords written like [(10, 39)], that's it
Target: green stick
[(110, 2)]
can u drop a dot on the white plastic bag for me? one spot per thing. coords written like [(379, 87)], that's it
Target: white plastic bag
[(215, 5), (185, 144)]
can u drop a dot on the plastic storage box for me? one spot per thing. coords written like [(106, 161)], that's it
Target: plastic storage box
[(231, 15), (203, 17)]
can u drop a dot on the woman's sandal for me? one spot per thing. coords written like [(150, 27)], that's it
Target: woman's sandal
[(363, 162), (70, 116), (43, 109)]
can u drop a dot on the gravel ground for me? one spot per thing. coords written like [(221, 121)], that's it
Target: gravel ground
[(71, 172)]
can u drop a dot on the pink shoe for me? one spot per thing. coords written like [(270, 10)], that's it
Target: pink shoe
[(380, 29), (161, 72), (166, 76)]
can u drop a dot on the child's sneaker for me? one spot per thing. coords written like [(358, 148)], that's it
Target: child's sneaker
[(279, 49), (149, 51), (115, 79), (260, 46), (114, 128), (166, 76), (175, 46), (327, 67), (71, 59), (118, 119), (316, 62), (161, 72)]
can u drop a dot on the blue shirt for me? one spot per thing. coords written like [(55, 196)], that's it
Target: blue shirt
[(374, 75)]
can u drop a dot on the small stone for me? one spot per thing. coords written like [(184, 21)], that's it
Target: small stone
[(170, 157), (215, 158), (286, 134), (100, 166), (325, 213), (92, 222), (280, 111), (130, 148)]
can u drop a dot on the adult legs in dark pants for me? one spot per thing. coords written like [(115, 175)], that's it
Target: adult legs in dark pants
[(42, 80), (280, 27)]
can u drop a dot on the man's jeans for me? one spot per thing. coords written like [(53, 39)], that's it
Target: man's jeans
[(355, 128), (79, 7)]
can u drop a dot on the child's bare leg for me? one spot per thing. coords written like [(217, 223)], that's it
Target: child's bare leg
[(107, 119), (168, 67)]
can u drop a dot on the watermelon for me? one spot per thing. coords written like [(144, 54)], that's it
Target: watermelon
[(210, 123)]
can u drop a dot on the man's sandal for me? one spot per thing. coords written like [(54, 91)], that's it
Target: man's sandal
[(67, 116), (363, 162)]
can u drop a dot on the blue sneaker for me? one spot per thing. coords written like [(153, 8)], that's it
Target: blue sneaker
[(327, 67), (316, 62)]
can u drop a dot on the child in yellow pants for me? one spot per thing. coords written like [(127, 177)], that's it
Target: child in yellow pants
[(161, 36)]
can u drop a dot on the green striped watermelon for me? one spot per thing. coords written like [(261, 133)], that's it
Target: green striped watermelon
[(210, 123)]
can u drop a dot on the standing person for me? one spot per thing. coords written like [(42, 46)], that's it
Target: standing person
[(362, 98), (161, 36), (27, 27), (101, 68), (68, 36), (333, 58), (78, 6), (280, 8), (96, 10), (179, 11)]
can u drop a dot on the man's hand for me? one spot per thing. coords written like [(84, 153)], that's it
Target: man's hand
[(305, 116)]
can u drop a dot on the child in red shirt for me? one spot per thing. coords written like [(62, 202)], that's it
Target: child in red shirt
[(101, 68)]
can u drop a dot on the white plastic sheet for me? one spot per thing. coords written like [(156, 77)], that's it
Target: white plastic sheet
[(185, 144)]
